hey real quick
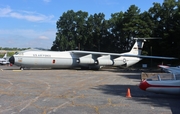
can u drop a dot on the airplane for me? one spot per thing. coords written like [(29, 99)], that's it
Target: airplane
[(174, 70), (76, 58), (165, 83), (4, 60)]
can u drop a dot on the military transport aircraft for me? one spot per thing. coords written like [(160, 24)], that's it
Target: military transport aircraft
[(76, 58), (163, 83), (4, 60)]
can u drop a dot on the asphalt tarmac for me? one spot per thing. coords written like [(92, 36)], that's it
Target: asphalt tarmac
[(63, 91)]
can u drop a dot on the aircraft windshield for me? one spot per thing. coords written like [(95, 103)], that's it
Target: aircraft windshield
[(164, 77), (18, 53)]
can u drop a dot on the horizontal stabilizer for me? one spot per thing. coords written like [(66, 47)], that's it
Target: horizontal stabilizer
[(149, 38), (149, 57), (163, 66), (174, 70)]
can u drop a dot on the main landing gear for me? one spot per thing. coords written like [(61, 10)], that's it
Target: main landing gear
[(21, 68)]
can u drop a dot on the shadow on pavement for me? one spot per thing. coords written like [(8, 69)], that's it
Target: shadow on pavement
[(157, 100)]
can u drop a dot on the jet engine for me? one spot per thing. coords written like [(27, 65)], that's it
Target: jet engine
[(132, 61), (127, 61), (103, 62), (85, 61), (120, 61)]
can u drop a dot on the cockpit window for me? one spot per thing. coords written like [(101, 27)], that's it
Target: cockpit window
[(163, 77), (18, 53)]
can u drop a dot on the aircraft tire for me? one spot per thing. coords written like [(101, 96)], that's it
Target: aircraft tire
[(90, 68), (21, 68), (84, 68)]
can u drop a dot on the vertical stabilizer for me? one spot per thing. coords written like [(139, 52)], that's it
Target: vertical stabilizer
[(137, 48)]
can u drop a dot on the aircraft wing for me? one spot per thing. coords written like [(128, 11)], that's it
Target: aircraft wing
[(175, 70), (118, 55), (94, 53)]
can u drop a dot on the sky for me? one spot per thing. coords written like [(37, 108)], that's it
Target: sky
[(32, 23)]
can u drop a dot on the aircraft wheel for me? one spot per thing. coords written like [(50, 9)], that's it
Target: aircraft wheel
[(21, 68), (84, 68)]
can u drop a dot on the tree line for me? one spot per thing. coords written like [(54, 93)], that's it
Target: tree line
[(79, 30), (13, 49)]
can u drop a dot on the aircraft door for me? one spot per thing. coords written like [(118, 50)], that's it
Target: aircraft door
[(19, 60)]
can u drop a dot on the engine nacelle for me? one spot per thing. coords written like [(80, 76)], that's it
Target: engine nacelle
[(120, 61), (132, 62), (127, 61), (85, 61), (103, 62)]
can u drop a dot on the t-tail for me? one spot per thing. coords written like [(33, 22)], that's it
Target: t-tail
[(130, 58), (137, 47), (134, 55)]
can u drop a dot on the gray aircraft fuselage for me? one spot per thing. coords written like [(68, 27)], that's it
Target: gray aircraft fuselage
[(44, 59)]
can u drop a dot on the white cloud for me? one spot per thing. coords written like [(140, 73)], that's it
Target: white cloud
[(43, 37), (22, 38), (5, 11), (26, 15)]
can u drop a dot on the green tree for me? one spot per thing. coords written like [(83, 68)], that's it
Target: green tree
[(77, 30), (97, 33), (116, 32), (132, 27), (163, 18), (70, 30)]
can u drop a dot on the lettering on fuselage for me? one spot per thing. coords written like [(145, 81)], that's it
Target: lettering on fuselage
[(41, 55)]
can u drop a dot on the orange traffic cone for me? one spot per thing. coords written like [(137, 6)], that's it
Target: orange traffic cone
[(128, 94)]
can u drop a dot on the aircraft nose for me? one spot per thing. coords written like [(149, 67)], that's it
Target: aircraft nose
[(143, 85), (11, 59)]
